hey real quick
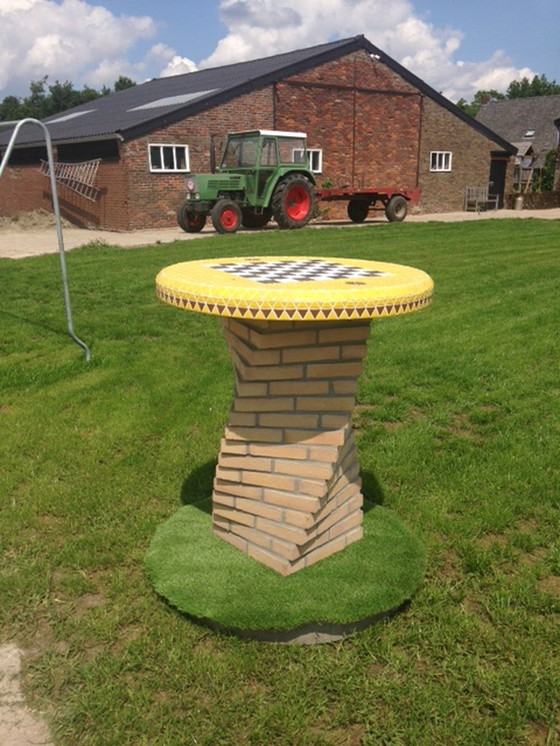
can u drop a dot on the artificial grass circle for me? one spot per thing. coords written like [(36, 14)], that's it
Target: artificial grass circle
[(216, 584)]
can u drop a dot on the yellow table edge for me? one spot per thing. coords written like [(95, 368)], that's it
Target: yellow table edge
[(201, 286)]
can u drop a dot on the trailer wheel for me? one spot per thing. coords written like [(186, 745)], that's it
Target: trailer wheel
[(226, 216), (189, 221), (252, 219), (358, 210), (293, 202), (396, 209)]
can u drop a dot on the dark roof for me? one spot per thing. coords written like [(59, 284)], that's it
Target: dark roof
[(141, 109), (515, 118)]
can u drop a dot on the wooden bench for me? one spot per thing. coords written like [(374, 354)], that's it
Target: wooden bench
[(477, 198)]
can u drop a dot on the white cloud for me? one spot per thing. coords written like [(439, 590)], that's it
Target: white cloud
[(258, 28), (68, 40)]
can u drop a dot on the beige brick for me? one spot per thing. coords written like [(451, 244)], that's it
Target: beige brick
[(259, 508), (268, 404), (236, 327), (333, 370), (287, 550), (271, 340), (274, 481), (353, 352), (232, 539), (250, 355), (310, 469), (286, 451), (324, 551), (299, 518), (345, 333), (288, 420), (251, 389), (313, 487), (258, 434), (234, 516), (344, 386), (237, 447), (238, 490), (222, 499), (245, 462), (281, 530), (242, 419), (276, 563), (298, 388), (228, 475), (344, 526), (292, 500), (354, 535), (310, 354), (334, 421), (322, 453), (324, 403), (252, 536), (316, 437)]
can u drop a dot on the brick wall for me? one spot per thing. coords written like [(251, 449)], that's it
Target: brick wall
[(471, 155)]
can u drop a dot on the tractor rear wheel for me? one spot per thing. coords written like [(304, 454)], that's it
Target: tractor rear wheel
[(226, 216), (358, 210), (293, 202), (396, 209), (189, 221)]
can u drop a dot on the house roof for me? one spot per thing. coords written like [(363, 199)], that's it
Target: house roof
[(524, 120), (143, 108)]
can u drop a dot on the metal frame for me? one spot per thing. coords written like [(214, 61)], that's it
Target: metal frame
[(56, 209)]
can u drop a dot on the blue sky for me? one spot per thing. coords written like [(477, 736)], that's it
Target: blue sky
[(457, 46)]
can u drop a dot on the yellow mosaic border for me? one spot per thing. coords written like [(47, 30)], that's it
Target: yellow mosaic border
[(195, 286)]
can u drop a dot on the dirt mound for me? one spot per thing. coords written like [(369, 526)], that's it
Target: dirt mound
[(25, 221)]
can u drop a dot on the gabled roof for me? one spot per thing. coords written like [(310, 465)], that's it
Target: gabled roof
[(515, 119), (137, 111)]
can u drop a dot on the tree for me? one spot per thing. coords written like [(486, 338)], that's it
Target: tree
[(45, 100), (526, 88), (538, 86)]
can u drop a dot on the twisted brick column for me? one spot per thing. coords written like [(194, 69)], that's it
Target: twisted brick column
[(287, 486)]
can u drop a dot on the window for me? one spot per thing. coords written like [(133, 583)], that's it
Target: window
[(314, 158), (440, 160), (169, 158), (529, 134)]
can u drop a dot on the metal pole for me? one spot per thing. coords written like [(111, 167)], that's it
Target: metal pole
[(56, 209)]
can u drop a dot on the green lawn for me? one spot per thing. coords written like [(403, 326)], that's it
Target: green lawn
[(458, 431)]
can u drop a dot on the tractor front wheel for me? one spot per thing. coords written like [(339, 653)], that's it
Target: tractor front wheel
[(293, 202), (396, 209), (226, 216), (189, 221)]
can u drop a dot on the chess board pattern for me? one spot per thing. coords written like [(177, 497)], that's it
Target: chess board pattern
[(312, 270)]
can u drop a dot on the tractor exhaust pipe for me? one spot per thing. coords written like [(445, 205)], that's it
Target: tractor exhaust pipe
[(212, 154)]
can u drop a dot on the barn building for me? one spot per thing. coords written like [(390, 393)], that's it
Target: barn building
[(369, 121)]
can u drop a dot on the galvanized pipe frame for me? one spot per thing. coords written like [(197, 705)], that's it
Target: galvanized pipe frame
[(56, 209)]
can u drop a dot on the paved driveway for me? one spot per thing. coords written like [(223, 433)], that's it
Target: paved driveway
[(19, 243)]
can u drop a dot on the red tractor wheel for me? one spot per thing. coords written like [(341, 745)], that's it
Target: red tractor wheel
[(293, 202), (226, 216), (189, 221)]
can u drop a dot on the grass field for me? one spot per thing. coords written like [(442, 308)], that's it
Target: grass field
[(458, 431)]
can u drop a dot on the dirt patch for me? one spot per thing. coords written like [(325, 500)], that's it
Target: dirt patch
[(25, 221), (19, 726)]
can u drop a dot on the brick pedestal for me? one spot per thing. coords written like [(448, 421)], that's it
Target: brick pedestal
[(287, 486)]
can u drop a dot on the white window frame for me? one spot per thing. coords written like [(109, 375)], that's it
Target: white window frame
[(441, 161), (314, 159), (175, 152)]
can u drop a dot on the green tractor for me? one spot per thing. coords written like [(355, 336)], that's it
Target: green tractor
[(264, 174)]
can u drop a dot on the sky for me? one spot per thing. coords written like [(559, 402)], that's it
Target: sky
[(457, 46)]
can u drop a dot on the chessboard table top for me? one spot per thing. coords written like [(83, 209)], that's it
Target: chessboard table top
[(295, 288)]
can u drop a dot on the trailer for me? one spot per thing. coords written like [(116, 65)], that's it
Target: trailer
[(394, 201)]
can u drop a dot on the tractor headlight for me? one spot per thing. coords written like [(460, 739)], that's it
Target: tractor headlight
[(190, 184)]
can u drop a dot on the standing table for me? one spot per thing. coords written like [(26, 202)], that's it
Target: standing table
[(287, 485)]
